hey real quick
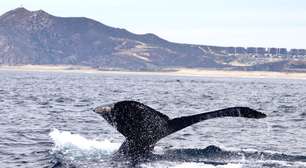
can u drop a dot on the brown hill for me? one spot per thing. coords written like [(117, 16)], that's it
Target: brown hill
[(36, 37)]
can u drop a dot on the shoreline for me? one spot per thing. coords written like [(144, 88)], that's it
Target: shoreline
[(173, 72)]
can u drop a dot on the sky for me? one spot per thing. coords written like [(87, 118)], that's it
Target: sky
[(257, 23)]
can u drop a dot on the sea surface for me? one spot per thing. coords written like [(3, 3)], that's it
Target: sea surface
[(46, 120)]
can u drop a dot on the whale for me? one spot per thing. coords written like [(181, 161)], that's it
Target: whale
[(143, 126)]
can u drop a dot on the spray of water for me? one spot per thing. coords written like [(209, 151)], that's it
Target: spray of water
[(66, 141)]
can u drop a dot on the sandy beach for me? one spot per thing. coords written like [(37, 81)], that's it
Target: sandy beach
[(174, 72), (240, 74)]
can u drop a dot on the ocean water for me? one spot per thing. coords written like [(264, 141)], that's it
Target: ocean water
[(46, 120)]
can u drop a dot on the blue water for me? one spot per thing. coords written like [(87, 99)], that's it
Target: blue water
[(46, 119)]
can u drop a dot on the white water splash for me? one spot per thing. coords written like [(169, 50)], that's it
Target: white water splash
[(64, 140)]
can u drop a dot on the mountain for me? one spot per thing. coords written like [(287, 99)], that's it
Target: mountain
[(36, 37)]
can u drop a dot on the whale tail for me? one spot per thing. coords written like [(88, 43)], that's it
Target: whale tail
[(143, 126), (179, 123)]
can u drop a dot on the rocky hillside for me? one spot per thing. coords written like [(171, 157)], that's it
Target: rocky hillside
[(36, 37)]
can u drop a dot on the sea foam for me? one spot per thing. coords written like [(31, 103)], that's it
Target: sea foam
[(64, 140)]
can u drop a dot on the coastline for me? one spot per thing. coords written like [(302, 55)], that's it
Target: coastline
[(174, 72)]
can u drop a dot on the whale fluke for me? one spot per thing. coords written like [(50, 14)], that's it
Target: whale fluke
[(143, 126), (183, 122)]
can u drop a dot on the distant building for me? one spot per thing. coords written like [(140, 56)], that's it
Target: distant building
[(283, 51), (261, 50), (272, 51), (301, 52), (231, 50), (251, 50), (294, 51), (240, 50)]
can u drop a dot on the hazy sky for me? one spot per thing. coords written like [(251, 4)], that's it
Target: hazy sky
[(267, 23)]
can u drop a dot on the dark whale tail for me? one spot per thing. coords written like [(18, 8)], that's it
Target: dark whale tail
[(183, 122), (143, 126)]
